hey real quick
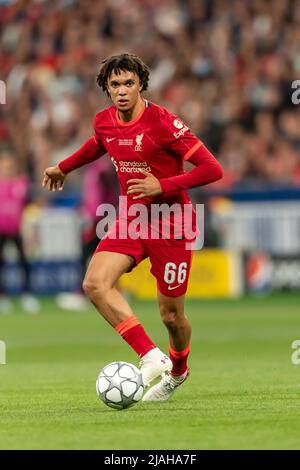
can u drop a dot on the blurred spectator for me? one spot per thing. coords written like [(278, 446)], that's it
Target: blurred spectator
[(14, 187), (225, 66), (99, 187)]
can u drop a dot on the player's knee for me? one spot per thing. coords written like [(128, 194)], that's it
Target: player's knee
[(88, 287), (170, 315), (94, 286)]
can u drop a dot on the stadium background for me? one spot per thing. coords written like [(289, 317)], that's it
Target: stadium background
[(226, 68)]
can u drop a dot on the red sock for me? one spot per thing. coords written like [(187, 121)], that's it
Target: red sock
[(179, 360), (134, 334)]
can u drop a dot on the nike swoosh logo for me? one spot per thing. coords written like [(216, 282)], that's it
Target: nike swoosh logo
[(175, 287), (109, 140)]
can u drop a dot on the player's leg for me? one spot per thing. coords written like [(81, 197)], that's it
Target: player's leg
[(103, 272), (99, 285), (179, 328), (171, 264)]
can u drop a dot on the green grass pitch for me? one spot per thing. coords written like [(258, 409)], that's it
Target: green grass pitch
[(243, 391)]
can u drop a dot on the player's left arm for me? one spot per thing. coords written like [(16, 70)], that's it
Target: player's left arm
[(177, 139), (207, 170)]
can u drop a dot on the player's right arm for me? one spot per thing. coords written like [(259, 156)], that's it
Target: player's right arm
[(54, 179), (91, 150)]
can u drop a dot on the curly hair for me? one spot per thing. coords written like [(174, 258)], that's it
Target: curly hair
[(123, 62)]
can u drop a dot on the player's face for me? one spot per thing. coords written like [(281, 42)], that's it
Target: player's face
[(124, 90)]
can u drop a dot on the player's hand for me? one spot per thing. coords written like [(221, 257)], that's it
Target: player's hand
[(54, 179), (148, 186)]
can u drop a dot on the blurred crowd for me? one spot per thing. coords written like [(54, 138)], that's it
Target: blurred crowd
[(225, 66)]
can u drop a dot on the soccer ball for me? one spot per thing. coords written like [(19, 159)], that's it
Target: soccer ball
[(120, 385)]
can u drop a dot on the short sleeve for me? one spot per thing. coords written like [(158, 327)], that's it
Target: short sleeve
[(176, 136)]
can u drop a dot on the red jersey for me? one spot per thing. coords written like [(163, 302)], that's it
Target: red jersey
[(156, 141)]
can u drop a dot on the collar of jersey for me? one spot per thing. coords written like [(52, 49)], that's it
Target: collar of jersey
[(130, 123)]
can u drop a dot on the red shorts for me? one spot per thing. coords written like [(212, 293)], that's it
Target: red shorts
[(170, 260)]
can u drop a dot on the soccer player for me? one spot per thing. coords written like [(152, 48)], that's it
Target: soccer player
[(148, 146)]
